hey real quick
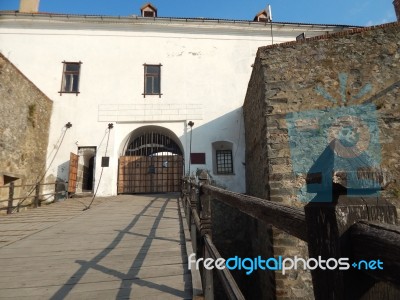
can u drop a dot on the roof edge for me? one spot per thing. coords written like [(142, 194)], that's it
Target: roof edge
[(104, 17), (331, 35)]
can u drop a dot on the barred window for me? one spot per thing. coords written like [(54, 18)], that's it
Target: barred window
[(224, 162), (70, 78), (152, 80)]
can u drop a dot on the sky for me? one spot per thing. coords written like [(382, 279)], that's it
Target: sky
[(346, 12)]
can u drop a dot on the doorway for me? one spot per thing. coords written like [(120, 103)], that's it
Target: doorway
[(86, 169), (152, 162)]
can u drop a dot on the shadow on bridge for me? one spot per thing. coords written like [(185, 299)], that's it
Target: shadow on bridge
[(131, 278)]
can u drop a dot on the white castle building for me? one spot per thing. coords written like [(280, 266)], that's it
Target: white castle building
[(168, 87)]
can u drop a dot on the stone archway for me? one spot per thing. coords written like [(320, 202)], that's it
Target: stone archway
[(151, 162)]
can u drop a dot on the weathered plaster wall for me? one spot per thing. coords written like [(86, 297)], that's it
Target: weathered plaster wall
[(204, 75), (338, 72), (24, 126)]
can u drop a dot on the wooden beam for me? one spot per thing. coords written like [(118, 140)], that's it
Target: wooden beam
[(328, 225), (373, 241), (286, 218), (228, 283)]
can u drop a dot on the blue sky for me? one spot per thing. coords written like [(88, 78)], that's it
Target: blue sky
[(350, 12)]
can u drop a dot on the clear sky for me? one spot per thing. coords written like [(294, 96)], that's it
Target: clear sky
[(349, 12)]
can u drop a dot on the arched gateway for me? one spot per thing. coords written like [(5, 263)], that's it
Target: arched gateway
[(152, 162)]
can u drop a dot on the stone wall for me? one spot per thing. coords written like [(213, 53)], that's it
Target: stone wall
[(24, 128), (323, 77)]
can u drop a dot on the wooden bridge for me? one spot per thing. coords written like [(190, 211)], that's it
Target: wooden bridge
[(136, 247), (124, 247)]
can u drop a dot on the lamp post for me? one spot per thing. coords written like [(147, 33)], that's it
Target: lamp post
[(191, 123)]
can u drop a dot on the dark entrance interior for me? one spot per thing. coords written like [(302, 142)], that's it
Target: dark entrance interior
[(86, 166)]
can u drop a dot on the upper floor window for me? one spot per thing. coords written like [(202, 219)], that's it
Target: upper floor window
[(70, 78), (152, 80)]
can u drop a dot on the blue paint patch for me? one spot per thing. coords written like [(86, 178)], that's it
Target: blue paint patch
[(321, 91), (342, 139), (365, 90)]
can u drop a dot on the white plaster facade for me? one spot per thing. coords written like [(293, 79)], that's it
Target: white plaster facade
[(206, 66)]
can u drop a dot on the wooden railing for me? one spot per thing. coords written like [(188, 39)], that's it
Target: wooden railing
[(31, 192), (346, 227), (197, 206)]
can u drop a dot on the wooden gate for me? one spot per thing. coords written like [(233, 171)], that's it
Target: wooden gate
[(73, 172), (150, 174)]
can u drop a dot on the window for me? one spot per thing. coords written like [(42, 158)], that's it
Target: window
[(70, 78), (224, 162), (152, 78), (149, 14), (222, 158)]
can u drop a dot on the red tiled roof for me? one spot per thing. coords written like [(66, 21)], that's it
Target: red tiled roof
[(148, 4)]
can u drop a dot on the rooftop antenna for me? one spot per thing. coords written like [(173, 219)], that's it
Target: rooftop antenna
[(268, 12)]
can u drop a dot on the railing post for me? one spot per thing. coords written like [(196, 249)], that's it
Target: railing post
[(37, 189), (66, 190), (206, 228), (186, 200), (192, 195), (328, 237), (56, 191), (10, 198), (192, 205)]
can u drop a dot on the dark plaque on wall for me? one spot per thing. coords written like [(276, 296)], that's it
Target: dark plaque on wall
[(105, 161), (198, 158)]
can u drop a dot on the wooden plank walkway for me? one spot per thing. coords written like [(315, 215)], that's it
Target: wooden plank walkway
[(124, 247)]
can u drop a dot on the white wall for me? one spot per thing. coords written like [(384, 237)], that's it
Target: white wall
[(204, 78)]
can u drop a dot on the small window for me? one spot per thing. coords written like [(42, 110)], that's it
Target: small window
[(224, 162), (70, 78), (152, 80), (149, 14)]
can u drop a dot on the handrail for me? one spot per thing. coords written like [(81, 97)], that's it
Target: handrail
[(200, 227), (229, 284), (372, 241), (33, 194), (26, 185), (289, 219), (316, 224)]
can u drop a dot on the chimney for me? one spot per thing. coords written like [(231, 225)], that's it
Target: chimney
[(396, 4), (29, 6)]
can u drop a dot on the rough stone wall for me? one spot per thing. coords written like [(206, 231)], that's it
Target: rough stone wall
[(24, 127), (333, 72)]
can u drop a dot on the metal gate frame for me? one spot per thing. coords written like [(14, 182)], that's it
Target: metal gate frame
[(153, 163), (150, 174)]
